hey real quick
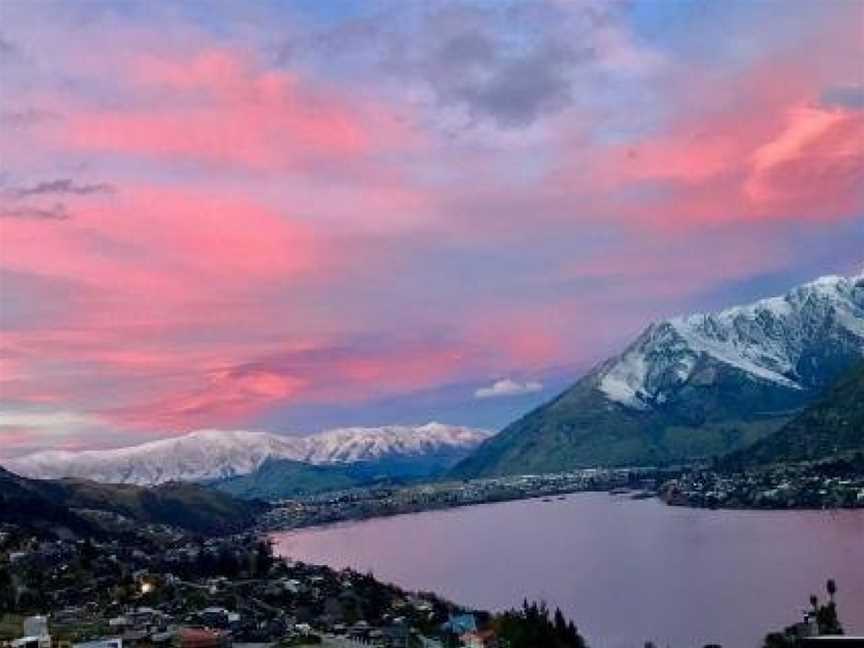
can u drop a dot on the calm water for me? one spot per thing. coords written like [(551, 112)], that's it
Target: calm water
[(626, 571)]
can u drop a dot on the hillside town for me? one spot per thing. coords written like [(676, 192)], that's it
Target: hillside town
[(834, 484), (166, 589)]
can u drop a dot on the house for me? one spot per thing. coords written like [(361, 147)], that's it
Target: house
[(118, 622), (33, 641), (112, 642), (35, 630), (479, 639), (200, 638), (36, 626), (460, 624), (216, 617)]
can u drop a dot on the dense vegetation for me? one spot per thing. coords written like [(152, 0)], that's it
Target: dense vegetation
[(533, 626)]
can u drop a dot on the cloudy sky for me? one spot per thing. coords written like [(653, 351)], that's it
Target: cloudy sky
[(296, 215)]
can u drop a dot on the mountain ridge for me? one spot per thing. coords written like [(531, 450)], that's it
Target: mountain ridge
[(691, 387), (208, 455)]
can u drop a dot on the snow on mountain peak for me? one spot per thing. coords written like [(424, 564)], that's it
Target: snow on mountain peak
[(767, 340), (205, 455)]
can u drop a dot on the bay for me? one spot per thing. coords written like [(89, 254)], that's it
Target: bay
[(626, 571)]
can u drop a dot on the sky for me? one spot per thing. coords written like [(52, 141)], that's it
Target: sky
[(289, 216)]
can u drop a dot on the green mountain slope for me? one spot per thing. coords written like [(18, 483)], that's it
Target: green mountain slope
[(832, 426), (282, 478), (720, 410)]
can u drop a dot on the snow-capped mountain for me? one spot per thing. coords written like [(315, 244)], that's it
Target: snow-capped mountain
[(694, 386), (207, 455), (792, 341), (355, 444)]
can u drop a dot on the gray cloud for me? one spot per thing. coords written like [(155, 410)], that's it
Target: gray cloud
[(848, 96), (510, 64), (56, 212), (25, 117), (64, 186), (7, 49)]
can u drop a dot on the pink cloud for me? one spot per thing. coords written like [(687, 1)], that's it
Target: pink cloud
[(163, 243), (277, 219), (748, 144), (218, 107), (815, 165), (314, 374)]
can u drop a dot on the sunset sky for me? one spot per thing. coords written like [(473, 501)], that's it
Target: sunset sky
[(296, 215)]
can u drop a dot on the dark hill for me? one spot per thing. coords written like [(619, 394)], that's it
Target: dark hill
[(24, 504), (191, 507)]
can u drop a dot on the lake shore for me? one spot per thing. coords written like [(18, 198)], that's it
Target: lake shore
[(386, 501)]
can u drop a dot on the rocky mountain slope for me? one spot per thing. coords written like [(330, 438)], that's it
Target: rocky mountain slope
[(213, 454), (691, 387)]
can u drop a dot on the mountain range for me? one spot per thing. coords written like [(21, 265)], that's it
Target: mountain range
[(691, 387), (213, 455), (687, 388)]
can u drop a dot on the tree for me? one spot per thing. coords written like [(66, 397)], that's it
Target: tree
[(532, 627), (560, 623), (263, 558)]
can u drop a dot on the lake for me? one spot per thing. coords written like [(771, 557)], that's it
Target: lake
[(625, 570)]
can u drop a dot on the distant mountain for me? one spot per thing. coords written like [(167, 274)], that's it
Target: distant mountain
[(212, 454), (283, 478), (691, 387), (58, 504), (832, 426)]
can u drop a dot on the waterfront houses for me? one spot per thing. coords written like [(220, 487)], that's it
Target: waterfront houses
[(785, 486), (361, 503)]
